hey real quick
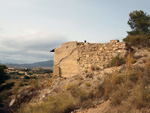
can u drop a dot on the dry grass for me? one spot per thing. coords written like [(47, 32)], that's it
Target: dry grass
[(76, 92), (129, 91), (79, 77), (128, 61), (88, 84), (69, 86), (49, 83), (60, 103)]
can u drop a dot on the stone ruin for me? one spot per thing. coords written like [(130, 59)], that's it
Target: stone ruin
[(72, 58)]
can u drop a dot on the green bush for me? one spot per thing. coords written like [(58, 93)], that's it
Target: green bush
[(22, 84), (3, 75), (7, 86), (26, 77), (138, 40), (116, 61)]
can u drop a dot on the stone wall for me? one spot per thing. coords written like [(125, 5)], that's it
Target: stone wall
[(65, 60), (73, 57)]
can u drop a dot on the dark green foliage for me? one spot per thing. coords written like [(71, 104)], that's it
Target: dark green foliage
[(141, 40), (7, 86), (42, 71), (1, 105), (140, 33), (139, 23), (23, 84), (116, 61), (26, 77), (34, 77), (3, 75), (4, 91)]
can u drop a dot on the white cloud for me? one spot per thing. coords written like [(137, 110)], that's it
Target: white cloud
[(30, 47)]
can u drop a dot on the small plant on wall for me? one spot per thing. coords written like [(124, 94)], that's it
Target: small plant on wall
[(116, 61)]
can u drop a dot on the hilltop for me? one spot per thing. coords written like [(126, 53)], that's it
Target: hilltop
[(119, 88), (115, 89)]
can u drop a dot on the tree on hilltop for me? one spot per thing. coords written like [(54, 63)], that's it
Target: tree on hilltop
[(139, 35), (139, 23)]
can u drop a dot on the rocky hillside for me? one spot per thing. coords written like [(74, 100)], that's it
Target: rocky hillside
[(116, 89)]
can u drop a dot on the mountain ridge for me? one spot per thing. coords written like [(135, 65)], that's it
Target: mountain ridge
[(48, 63)]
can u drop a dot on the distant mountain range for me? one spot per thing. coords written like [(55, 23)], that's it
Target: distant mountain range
[(48, 63)]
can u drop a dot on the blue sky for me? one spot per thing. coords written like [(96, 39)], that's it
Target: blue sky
[(29, 29)]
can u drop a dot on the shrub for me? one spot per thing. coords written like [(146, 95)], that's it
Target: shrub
[(3, 75), (133, 76), (128, 91), (76, 92), (7, 86), (87, 104), (21, 84), (60, 103), (26, 77), (117, 79), (137, 97), (140, 40), (97, 92), (116, 61), (119, 95), (129, 60)]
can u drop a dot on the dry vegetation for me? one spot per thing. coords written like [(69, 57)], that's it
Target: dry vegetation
[(66, 101), (128, 92)]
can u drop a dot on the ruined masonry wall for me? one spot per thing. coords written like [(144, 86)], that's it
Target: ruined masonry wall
[(73, 57), (99, 55)]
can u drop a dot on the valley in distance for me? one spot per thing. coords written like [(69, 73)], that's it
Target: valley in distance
[(43, 64)]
